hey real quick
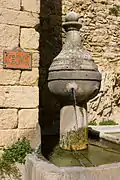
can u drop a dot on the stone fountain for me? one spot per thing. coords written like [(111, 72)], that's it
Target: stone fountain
[(74, 79)]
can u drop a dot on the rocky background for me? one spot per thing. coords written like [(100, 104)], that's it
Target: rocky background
[(100, 33), (36, 26)]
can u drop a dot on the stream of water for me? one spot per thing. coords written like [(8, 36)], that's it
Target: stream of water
[(75, 106), (77, 119)]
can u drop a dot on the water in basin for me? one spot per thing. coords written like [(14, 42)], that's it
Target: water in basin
[(98, 153)]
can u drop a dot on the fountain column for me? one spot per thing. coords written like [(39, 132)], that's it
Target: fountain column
[(74, 79), (73, 128)]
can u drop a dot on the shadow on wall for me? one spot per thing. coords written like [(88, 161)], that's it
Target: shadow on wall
[(50, 46)]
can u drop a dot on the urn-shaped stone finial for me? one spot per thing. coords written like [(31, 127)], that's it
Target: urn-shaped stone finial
[(73, 65)]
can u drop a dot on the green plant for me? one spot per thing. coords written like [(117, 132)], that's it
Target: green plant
[(92, 123), (114, 10), (108, 122), (9, 170), (16, 153)]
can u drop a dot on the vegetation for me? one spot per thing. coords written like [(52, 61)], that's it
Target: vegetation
[(92, 123), (115, 10), (106, 122), (16, 153), (109, 122)]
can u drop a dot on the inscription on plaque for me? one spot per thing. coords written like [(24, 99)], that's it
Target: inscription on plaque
[(17, 59)]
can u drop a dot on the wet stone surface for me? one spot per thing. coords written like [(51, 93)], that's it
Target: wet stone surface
[(98, 153)]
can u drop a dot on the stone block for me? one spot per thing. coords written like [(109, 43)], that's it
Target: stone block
[(8, 137), (35, 57), (29, 38), (9, 77), (18, 18), (19, 96), (33, 5), (30, 78), (28, 118), (8, 118), (9, 35), (10, 4), (33, 135)]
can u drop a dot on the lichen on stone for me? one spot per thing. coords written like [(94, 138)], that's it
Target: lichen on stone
[(75, 140)]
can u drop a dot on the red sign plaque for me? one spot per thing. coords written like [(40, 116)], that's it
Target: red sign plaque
[(17, 59)]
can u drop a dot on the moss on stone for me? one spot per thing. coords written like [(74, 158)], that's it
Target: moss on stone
[(108, 122), (75, 140)]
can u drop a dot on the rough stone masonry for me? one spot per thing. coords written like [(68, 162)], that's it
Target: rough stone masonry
[(19, 91), (100, 34)]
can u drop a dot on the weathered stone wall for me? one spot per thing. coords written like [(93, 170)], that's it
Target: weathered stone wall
[(100, 33), (19, 26), (19, 92)]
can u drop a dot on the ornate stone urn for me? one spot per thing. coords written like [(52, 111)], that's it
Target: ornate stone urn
[(74, 79)]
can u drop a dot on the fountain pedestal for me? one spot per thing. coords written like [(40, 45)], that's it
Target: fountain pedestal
[(74, 79), (73, 128)]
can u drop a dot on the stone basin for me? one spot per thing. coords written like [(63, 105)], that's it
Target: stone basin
[(110, 133), (86, 89), (104, 155), (38, 169)]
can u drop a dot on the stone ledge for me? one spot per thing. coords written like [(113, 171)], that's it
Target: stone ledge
[(110, 133), (38, 169)]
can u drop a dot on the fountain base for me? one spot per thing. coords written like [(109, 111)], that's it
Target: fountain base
[(100, 161), (73, 128), (38, 169)]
